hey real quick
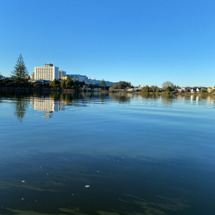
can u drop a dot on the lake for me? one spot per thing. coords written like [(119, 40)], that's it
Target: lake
[(107, 154)]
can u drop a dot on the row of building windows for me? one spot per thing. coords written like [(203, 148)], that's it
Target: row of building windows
[(43, 70)]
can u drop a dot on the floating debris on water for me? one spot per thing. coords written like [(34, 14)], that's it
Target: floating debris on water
[(23, 181), (22, 199), (87, 186)]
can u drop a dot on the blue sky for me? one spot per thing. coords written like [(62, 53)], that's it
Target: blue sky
[(141, 41)]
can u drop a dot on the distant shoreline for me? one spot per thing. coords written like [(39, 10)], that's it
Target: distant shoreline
[(33, 89)]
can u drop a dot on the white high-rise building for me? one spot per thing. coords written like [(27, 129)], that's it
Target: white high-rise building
[(47, 73)]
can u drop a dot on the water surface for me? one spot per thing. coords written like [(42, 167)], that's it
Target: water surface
[(150, 155)]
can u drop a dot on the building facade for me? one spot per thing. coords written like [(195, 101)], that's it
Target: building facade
[(49, 72), (77, 77), (62, 74)]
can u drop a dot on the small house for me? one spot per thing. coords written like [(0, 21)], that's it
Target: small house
[(198, 89)]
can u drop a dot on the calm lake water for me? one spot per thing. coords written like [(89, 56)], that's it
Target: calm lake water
[(107, 154)]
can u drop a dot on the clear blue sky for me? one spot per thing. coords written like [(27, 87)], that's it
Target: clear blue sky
[(141, 41)]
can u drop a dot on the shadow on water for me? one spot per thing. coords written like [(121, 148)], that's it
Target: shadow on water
[(55, 184)]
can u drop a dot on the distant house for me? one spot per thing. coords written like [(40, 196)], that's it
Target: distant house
[(193, 90), (198, 89), (186, 89), (135, 89), (210, 89), (130, 90), (180, 90)]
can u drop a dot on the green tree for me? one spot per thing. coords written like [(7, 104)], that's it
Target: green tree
[(55, 84), (203, 90), (103, 84), (37, 85), (69, 83), (146, 89), (154, 88), (20, 72), (124, 84), (167, 84), (169, 89), (63, 84), (76, 85), (115, 86)]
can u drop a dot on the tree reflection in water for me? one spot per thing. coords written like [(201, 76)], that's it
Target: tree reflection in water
[(21, 105), (57, 100)]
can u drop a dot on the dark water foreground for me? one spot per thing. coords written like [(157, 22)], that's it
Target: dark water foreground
[(107, 154)]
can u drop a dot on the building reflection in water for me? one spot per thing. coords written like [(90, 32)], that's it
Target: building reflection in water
[(48, 105), (53, 103)]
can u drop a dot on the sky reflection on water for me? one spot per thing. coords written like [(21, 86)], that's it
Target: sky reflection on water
[(139, 154)]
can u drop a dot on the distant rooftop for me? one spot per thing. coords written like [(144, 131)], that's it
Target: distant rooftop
[(48, 64), (76, 75)]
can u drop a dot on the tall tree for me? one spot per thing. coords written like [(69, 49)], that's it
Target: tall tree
[(63, 84), (69, 83), (103, 84), (55, 84), (124, 84), (20, 71), (146, 89), (167, 84)]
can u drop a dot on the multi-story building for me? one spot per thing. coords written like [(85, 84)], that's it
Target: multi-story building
[(77, 77), (62, 74), (47, 73), (50, 72)]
